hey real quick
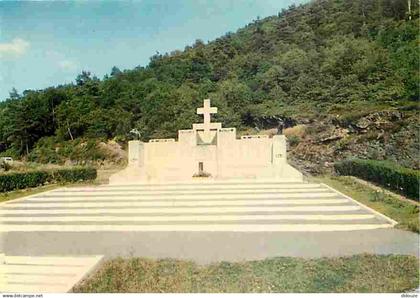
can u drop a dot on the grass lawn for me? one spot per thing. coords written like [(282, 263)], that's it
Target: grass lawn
[(6, 196), (360, 273), (404, 212), (16, 194)]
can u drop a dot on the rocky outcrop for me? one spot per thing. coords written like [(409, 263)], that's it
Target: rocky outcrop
[(334, 134), (387, 134), (378, 120)]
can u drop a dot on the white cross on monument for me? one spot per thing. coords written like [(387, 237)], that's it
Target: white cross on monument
[(207, 125), (206, 110)]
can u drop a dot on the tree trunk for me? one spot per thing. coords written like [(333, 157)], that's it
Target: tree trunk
[(409, 9), (53, 116), (71, 136), (69, 131)]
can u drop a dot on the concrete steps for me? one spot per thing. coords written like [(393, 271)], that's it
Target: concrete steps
[(28, 274), (240, 206), (121, 197), (186, 192), (205, 185)]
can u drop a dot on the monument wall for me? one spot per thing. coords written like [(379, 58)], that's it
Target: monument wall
[(207, 151)]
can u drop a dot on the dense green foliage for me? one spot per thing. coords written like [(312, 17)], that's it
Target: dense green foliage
[(306, 62), (14, 181), (17, 180), (52, 150), (384, 173), (73, 175)]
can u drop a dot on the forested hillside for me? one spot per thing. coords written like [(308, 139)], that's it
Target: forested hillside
[(343, 74)]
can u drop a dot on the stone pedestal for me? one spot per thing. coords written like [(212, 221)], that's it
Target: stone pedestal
[(279, 150), (135, 153)]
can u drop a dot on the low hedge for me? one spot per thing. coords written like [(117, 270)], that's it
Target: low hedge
[(386, 174), (73, 175), (13, 181)]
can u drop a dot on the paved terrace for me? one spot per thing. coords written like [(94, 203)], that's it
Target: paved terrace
[(240, 206), (205, 222)]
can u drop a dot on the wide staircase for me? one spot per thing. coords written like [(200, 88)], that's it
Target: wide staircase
[(231, 206)]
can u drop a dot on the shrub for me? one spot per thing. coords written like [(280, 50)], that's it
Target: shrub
[(298, 130), (5, 165), (293, 140), (384, 173), (10, 152), (13, 181), (80, 151), (73, 175)]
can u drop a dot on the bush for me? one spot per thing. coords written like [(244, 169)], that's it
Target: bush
[(10, 152), (293, 140), (5, 165), (387, 174), (80, 151), (13, 181), (298, 131), (74, 175)]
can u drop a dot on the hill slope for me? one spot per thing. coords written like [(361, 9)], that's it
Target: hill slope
[(344, 71)]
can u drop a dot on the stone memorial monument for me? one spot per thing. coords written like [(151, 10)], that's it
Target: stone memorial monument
[(207, 151)]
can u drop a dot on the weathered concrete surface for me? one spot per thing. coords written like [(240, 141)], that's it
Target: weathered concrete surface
[(207, 247), (48, 274), (305, 220), (240, 206)]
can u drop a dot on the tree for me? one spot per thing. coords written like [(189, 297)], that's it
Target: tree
[(13, 95), (83, 78), (115, 71), (311, 60)]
